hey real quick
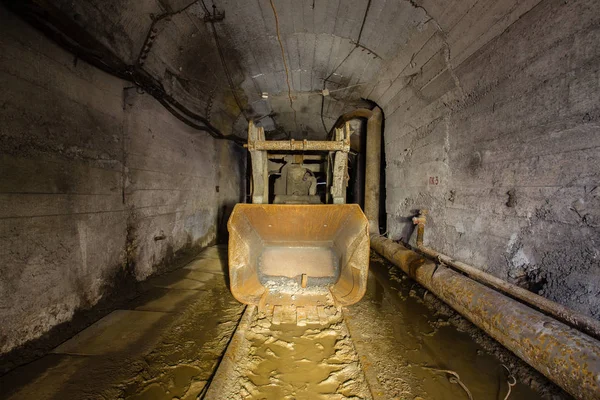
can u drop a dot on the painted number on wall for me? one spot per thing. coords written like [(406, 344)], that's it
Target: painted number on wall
[(434, 180)]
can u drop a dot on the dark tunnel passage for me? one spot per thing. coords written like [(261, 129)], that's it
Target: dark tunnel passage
[(299, 199)]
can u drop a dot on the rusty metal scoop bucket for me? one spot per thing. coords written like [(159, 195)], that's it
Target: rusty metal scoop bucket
[(287, 253)]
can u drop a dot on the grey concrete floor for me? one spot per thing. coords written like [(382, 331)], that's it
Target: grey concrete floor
[(166, 343)]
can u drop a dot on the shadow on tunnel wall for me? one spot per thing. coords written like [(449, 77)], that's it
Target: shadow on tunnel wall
[(222, 218)]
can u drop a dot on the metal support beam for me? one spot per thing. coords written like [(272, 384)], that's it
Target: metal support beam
[(340, 167), (566, 356), (293, 145), (260, 167)]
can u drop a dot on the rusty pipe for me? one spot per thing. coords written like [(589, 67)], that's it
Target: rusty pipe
[(420, 222), (564, 314), (373, 169), (564, 355), (357, 113)]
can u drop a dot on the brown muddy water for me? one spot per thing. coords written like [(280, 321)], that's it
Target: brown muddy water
[(287, 361), (413, 346), (398, 342), (187, 338)]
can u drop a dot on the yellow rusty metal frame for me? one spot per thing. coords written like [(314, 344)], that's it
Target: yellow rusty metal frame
[(254, 227), (297, 145), (566, 356)]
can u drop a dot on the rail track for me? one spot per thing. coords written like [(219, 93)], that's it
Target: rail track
[(400, 342), (293, 353)]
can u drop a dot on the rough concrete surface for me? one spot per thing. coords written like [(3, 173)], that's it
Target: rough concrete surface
[(491, 122), (100, 186), (506, 156), (491, 111)]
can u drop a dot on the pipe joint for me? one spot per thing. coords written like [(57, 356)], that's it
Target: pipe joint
[(420, 222), (566, 356)]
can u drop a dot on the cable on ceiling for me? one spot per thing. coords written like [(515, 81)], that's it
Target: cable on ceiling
[(356, 45), (58, 27), (223, 61), (152, 30), (285, 66)]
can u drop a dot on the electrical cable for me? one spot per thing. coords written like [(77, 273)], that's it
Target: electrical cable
[(157, 20), (325, 84), (356, 45), (48, 19), (362, 25), (285, 66), (223, 62)]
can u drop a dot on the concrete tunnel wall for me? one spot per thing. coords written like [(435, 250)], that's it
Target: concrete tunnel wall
[(99, 188), (491, 118), (503, 148)]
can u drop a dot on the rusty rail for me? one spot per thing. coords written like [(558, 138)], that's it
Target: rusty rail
[(566, 356), (224, 374), (564, 314)]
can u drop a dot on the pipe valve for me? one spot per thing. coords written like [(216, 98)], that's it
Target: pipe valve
[(421, 219), (420, 222)]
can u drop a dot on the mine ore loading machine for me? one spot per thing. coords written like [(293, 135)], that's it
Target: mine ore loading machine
[(298, 243)]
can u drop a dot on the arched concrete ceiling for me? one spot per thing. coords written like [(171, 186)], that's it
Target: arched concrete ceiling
[(384, 51)]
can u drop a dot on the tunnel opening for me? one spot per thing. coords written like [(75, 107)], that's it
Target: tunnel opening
[(126, 148)]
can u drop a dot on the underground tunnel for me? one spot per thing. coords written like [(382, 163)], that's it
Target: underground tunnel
[(300, 199)]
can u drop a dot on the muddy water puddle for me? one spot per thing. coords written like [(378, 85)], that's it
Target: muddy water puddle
[(287, 361), (413, 346), (181, 365), (398, 342)]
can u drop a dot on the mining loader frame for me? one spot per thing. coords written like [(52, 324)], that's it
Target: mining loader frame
[(295, 246)]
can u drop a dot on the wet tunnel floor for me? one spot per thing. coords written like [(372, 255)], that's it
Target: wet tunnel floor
[(399, 342)]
